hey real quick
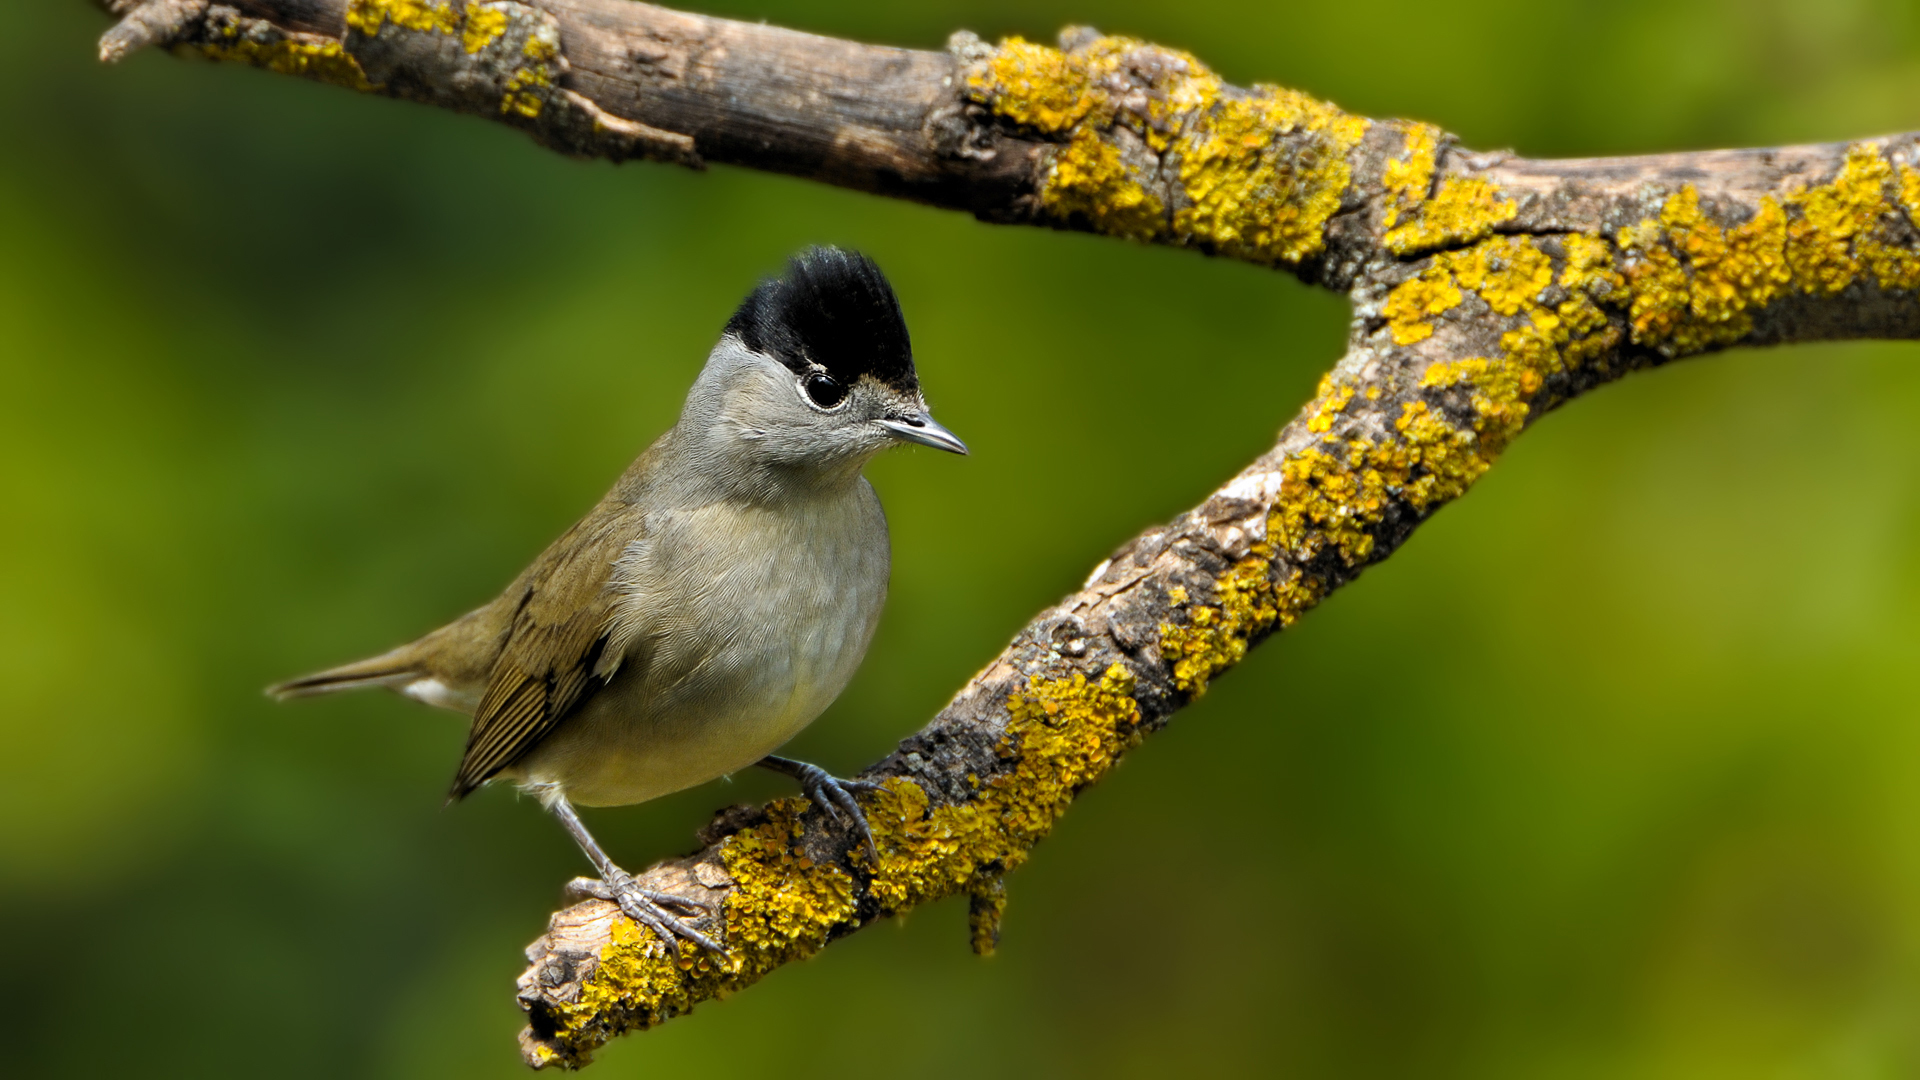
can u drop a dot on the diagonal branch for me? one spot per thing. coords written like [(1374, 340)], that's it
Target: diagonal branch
[(1487, 289)]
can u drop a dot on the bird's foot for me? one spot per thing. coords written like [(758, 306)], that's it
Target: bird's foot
[(648, 908), (832, 794)]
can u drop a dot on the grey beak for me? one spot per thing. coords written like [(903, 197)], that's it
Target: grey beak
[(923, 429)]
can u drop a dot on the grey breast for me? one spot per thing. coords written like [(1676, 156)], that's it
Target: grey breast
[(736, 625)]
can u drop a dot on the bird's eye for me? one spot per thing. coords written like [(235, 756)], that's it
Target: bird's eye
[(824, 390)]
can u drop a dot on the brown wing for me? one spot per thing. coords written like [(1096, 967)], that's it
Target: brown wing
[(551, 663)]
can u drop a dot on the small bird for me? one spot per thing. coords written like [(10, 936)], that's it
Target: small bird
[(715, 601)]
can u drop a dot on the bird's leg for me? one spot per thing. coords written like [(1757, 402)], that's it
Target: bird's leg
[(831, 793), (644, 906)]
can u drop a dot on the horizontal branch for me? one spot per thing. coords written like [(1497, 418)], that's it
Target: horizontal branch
[(1487, 290)]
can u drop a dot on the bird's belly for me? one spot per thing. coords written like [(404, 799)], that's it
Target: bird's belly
[(725, 686), (619, 752), (632, 743)]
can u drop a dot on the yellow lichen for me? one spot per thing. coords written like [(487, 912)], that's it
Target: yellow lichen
[(1251, 194), (1892, 265), (1596, 347), (1296, 595), (1408, 179), (1534, 347), (1511, 274), (1216, 636), (1740, 268), (1259, 174), (1687, 284), (782, 908), (1153, 145), (1589, 269), (926, 851), (1661, 291), (1508, 273), (1335, 493), (475, 24), (1500, 393), (1324, 499), (1684, 307), (1440, 460), (1418, 299), (367, 16), (525, 92), (1831, 216), (1035, 86), (520, 96), (323, 61), (540, 48), (1909, 193), (1696, 285), (484, 24), (781, 901), (1062, 734), (1332, 496), (1590, 280), (1462, 211), (1332, 404), (1089, 179), (1896, 266), (1329, 498)]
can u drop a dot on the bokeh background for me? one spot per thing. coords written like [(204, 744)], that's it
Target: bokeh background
[(1610, 772)]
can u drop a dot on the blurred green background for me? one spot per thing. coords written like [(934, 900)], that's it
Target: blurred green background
[(1611, 772)]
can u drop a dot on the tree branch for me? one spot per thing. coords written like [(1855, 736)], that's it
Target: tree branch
[(1487, 289)]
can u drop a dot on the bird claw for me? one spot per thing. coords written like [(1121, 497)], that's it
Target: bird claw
[(648, 907), (833, 795)]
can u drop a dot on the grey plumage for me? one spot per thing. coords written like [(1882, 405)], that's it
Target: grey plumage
[(723, 592)]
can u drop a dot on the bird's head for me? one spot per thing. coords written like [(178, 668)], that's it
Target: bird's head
[(815, 370)]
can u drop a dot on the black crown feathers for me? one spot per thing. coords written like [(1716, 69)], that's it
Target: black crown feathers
[(832, 308)]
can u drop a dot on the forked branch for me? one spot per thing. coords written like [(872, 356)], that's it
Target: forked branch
[(1487, 289)]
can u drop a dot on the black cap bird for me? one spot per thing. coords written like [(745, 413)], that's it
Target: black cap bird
[(715, 601)]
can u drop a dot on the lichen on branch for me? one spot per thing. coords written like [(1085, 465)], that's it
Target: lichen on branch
[(1149, 144), (1380, 448), (782, 904), (1487, 290)]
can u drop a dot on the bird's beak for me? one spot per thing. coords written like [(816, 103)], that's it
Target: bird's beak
[(923, 429)]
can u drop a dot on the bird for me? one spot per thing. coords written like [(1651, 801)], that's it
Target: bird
[(714, 602)]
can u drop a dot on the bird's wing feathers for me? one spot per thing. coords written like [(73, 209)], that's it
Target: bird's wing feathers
[(553, 659)]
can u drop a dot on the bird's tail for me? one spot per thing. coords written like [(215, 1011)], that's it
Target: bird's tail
[(393, 669)]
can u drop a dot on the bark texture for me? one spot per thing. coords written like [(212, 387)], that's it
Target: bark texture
[(1487, 289)]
